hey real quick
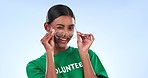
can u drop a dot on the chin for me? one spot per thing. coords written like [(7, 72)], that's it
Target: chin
[(62, 46)]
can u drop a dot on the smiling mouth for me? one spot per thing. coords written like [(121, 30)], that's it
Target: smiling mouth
[(63, 40)]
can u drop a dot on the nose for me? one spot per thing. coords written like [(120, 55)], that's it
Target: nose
[(66, 33)]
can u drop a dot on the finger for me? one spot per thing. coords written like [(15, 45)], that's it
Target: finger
[(78, 37), (88, 37), (52, 41), (50, 36), (85, 37), (89, 41), (44, 37), (92, 37), (52, 31), (47, 37)]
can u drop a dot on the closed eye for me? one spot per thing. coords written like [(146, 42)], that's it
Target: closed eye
[(60, 26)]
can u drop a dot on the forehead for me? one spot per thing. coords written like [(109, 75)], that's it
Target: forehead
[(65, 20)]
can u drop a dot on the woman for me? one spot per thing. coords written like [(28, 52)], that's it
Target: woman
[(60, 60)]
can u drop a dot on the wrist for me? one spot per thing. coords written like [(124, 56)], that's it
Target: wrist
[(49, 52), (84, 54), (81, 52)]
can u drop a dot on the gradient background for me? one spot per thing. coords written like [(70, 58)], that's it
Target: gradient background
[(120, 28)]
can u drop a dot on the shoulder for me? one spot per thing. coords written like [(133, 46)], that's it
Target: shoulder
[(38, 60), (92, 53), (36, 68), (97, 65), (37, 63), (93, 56)]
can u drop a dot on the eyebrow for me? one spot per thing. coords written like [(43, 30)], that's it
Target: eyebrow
[(72, 25), (60, 25), (63, 25)]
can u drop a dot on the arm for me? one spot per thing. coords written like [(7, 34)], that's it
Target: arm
[(50, 67), (48, 43), (84, 42), (88, 70)]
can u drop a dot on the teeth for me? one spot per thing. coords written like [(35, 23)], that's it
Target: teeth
[(63, 39)]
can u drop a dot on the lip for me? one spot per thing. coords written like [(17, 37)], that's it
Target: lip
[(63, 40)]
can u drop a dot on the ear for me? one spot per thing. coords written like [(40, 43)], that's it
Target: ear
[(47, 27)]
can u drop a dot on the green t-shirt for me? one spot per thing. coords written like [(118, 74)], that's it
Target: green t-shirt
[(68, 64)]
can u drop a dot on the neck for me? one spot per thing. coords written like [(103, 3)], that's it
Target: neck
[(59, 49)]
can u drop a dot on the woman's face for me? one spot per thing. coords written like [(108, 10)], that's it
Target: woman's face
[(64, 29)]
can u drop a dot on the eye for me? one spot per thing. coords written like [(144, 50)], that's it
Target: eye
[(71, 28), (60, 27)]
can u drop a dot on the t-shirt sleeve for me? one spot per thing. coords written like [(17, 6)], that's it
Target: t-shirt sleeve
[(97, 65), (33, 71)]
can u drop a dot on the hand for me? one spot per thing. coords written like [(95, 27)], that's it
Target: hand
[(48, 41), (84, 41)]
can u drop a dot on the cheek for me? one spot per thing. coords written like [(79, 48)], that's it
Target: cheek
[(71, 34), (55, 40), (59, 34)]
